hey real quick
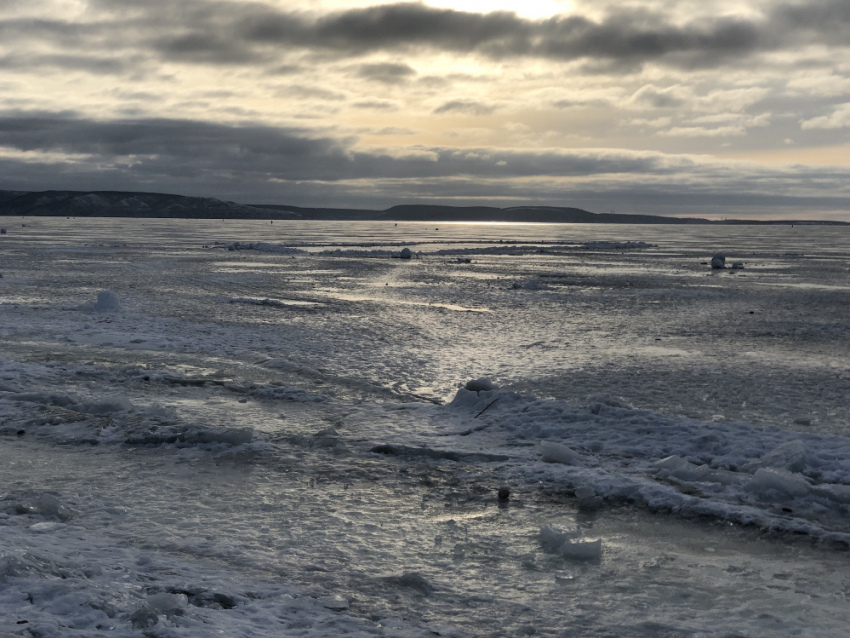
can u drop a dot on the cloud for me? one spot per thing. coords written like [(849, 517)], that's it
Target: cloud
[(464, 106), (376, 105), (661, 98), (233, 33), (701, 131), (839, 118), (386, 72)]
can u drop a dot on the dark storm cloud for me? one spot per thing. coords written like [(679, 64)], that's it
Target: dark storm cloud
[(258, 151), (162, 145), (227, 33), (386, 72)]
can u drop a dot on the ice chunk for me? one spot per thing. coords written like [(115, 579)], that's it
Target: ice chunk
[(768, 480), (672, 463), (606, 399), (585, 492), (718, 262), (557, 453), (585, 550), (230, 436), (49, 506), (144, 618), (789, 456), (412, 580), (837, 493), (482, 384), (166, 603), (569, 543), (737, 265), (107, 405), (334, 603), (531, 284), (107, 301), (551, 539)]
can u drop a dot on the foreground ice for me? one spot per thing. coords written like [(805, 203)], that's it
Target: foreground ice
[(275, 440)]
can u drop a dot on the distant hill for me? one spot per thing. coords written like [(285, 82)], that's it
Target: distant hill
[(160, 205), (128, 204)]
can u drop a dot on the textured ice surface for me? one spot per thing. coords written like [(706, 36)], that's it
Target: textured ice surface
[(282, 464)]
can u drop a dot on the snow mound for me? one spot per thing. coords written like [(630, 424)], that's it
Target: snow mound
[(558, 453)]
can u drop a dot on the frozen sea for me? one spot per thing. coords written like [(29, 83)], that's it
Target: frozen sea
[(272, 432)]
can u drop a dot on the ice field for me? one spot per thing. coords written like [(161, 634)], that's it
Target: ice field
[(286, 430)]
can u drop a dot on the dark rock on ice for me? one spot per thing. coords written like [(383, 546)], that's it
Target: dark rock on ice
[(406, 253), (504, 493), (737, 265), (718, 262)]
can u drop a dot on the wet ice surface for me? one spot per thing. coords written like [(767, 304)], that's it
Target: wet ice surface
[(252, 442)]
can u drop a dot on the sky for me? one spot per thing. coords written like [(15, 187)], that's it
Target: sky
[(712, 108)]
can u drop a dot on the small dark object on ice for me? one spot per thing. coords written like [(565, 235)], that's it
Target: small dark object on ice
[(21, 432), (718, 262), (406, 253), (504, 493)]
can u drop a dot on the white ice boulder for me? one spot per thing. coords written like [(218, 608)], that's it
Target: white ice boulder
[(482, 384), (768, 481), (718, 262), (558, 453)]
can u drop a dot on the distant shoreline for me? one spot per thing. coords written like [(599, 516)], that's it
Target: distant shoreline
[(167, 206)]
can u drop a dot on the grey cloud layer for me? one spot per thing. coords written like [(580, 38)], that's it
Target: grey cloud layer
[(231, 161), (230, 33)]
